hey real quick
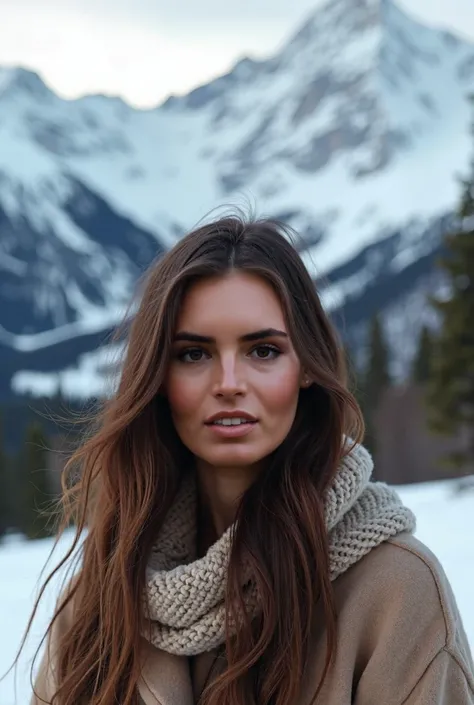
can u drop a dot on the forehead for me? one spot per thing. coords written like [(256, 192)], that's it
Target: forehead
[(238, 301)]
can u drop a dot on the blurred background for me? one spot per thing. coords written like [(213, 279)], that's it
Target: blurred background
[(123, 124)]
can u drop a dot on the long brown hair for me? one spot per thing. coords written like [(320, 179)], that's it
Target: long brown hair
[(131, 465)]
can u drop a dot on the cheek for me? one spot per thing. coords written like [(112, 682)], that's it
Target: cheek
[(184, 395), (280, 392)]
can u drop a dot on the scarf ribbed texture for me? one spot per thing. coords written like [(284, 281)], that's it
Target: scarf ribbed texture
[(186, 594)]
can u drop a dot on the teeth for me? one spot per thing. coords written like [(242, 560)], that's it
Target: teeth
[(230, 422)]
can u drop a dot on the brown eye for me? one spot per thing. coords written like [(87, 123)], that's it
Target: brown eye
[(191, 355), (266, 352)]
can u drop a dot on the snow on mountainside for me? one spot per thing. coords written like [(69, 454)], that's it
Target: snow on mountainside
[(352, 128), (353, 133)]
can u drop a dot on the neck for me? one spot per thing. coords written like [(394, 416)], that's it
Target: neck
[(219, 493)]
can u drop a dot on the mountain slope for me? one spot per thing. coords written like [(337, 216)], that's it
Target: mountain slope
[(353, 133)]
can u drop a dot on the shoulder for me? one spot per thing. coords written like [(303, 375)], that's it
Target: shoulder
[(404, 575), (401, 606), (418, 570)]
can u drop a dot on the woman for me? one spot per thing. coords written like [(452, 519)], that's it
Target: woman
[(236, 552)]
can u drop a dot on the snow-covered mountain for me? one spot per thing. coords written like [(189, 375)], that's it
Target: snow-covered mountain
[(354, 133)]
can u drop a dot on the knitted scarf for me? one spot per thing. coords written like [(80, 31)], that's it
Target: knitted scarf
[(185, 594)]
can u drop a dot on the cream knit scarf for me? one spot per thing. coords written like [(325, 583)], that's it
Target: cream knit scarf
[(186, 595)]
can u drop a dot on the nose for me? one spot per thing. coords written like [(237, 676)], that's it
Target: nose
[(229, 381)]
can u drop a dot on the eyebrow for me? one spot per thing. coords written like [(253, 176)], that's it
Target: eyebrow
[(189, 337)]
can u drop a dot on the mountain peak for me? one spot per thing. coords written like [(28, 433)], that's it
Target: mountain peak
[(348, 14), (16, 78), (337, 22)]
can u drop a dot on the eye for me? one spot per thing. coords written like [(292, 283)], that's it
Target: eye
[(266, 352), (191, 355)]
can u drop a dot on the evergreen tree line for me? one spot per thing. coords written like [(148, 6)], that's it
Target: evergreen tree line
[(370, 383), (27, 493)]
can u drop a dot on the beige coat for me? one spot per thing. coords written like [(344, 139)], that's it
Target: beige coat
[(401, 641)]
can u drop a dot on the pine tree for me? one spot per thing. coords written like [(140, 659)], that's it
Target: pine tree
[(423, 361), (4, 487), (354, 379), (35, 519), (451, 388), (376, 378)]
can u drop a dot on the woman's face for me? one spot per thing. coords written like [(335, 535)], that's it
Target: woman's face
[(234, 378)]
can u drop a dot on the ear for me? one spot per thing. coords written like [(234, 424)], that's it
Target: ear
[(305, 381)]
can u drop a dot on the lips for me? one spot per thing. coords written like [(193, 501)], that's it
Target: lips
[(222, 416), (231, 427)]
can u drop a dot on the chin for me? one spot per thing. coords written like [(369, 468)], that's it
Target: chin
[(234, 457)]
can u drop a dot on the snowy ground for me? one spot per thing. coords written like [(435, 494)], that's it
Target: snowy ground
[(445, 524)]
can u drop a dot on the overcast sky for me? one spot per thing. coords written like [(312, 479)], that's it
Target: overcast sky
[(144, 50)]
